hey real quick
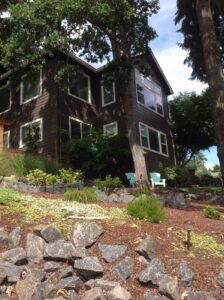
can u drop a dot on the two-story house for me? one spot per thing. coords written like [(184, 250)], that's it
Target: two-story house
[(38, 100)]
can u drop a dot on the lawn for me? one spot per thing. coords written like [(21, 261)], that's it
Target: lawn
[(205, 257)]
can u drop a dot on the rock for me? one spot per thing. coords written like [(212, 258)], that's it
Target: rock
[(153, 297), (111, 252), (14, 237), (66, 272), (106, 285), (169, 287), (186, 274), (86, 234), (220, 278), (198, 295), (70, 283), (153, 273), (88, 267), (147, 248), (51, 266), (119, 293), (102, 196), (176, 200), (94, 294), (143, 260), (16, 256), (126, 198), (50, 234), (124, 269), (113, 198), (2, 277), (35, 248), (4, 237), (11, 271), (73, 295), (35, 274), (4, 297), (63, 250)]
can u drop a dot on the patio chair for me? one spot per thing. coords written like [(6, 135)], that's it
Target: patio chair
[(156, 180), (131, 178)]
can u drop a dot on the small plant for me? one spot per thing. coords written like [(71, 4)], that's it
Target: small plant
[(51, 179), (7, 195), (109, 182), (211, 213), (69, 176), (37, 177), (85, 195), (143, 190), (147, 208)]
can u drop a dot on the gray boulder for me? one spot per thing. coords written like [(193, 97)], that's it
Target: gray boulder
[(126, 198), (94, 294), (106, 285), (2, 277), (50, 234), (169, 287), (111, 252), (86, 234), (113, 198), (11, 271), (199, 295), (14, 237), (62, 250), (176, 200), (153, 297), (153, 273), (124, 269), (4, 237), (119, 293), (66, 272), (88, 267), (102, 196), (186, 274), (16, 256), (70, 283), (220, 278), (51, 266), (147, 248), (35, 274), (35, 248)]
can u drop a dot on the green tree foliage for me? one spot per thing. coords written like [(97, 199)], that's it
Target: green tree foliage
[(193, 127)]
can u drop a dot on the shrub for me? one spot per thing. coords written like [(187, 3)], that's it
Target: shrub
[(85, 195), (143, 190), (177, 176), (211, 213), (147, 208), (6, 168), (109, 182), (37, 177), (7, 195), (69, 176)]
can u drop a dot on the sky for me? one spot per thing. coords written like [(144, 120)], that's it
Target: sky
[(171, 59)]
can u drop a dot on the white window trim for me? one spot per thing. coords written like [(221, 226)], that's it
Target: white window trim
[(102, 95), (79, 121), (10, 99), (136, 91), (21, 89), (89, 91), (21, 145), (108, 125), (159, 135), (8, 133)]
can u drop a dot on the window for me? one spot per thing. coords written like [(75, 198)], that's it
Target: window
[(149, 93), (153, 139), (79, 129), (6, 141), (30, 87), (108, 94), (110, 129), (5, 99), (31, 128), (79, 86)]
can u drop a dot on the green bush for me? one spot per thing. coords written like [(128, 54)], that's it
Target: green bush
[(147, 208), (6, 167), (69, 176), (85, 195), (37, 177), (7, 195), (143, 190), (109, 182), (177, 176), (211, 213)]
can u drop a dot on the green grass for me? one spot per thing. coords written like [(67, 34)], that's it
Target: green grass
[(7, 195), (85, 195), (202, 189)]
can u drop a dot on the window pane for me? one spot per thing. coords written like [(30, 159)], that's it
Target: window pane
[(150, 99), (6, 140), (163, 143), (86, 130), (144, 131), (31, 129), (140, 94), (75, 129), (154, 140), (79, 86), (31, 86), (4, 99), (108, 93), (110, 130)]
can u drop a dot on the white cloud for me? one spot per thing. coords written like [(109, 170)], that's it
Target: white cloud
[(209, 166)]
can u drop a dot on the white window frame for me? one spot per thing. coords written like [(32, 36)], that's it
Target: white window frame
[(8, 134), (102, 95), (79, 121), (21, 88), (10, 99), (159, 137), (21, 145), (89, 101), (108, 125), (142, 85)]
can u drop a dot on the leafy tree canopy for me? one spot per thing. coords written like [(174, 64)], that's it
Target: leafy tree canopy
[(186, 15), (193, 128)]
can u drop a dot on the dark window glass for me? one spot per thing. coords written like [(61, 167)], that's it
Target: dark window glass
[(154, 140), (140, 94), (79, 86), (108, 94), (75, 129), (31, 86)]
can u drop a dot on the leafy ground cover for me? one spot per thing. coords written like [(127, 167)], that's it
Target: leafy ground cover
[(205, 257)]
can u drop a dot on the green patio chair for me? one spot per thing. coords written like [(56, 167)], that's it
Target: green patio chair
[(131, 178), (156, 179)]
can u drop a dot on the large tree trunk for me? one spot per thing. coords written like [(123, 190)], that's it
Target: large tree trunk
[(214, 71)]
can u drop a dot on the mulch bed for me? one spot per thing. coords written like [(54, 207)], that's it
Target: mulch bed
[(129, 233)]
